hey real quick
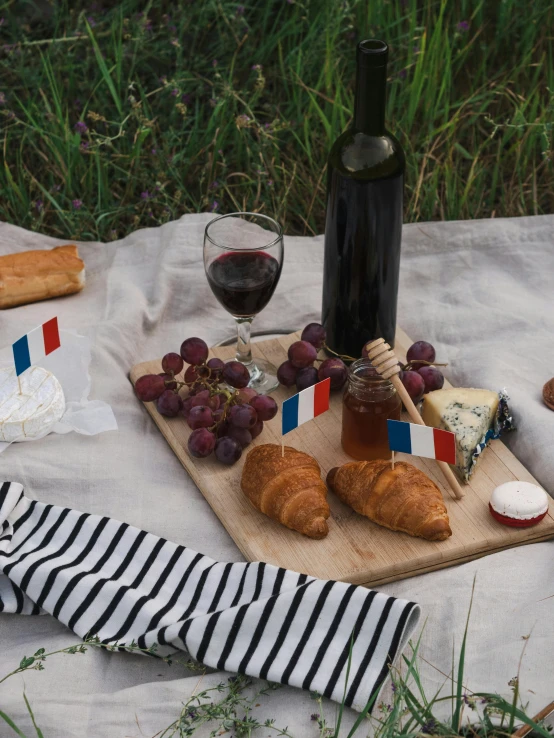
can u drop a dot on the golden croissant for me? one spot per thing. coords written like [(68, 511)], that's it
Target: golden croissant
[(403, 498), (287, 488)]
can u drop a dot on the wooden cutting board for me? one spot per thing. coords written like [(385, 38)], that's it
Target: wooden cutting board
[(356, 550)]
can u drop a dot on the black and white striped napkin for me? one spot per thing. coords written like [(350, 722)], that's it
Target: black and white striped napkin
[(105, 578)]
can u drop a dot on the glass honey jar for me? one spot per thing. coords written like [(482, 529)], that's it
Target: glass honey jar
[(368, 402)]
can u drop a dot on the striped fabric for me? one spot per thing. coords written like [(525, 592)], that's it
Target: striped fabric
[(102, 577)]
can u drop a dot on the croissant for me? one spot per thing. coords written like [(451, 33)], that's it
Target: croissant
[(287, 488), (403, 498)]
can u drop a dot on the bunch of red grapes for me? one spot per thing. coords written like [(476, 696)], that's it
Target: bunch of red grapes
[(222, 420), (299, 369), (417, 375)]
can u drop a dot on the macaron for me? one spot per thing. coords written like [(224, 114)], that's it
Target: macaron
[(518, 504)]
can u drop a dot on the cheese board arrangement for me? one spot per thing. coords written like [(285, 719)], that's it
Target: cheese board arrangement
[(307, 505)]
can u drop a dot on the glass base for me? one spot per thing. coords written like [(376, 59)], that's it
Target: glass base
[(263, 376)]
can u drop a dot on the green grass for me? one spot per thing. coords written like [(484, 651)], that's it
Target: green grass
[(216, 105)]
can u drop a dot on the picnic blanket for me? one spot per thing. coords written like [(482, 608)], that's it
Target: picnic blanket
[(480, 291)]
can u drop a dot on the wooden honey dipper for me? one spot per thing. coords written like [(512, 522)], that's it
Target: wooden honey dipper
[(385, 362)]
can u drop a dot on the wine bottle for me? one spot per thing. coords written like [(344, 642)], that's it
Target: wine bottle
[(363, 225)]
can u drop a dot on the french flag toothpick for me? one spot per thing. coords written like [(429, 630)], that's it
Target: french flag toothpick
[(306, 405), (421, 440), (37, 344)]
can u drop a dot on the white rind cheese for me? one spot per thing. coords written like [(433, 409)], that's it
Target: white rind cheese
[(31, 414), (469, 413)]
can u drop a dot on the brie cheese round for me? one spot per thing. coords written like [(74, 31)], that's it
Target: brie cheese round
[(32, 413)]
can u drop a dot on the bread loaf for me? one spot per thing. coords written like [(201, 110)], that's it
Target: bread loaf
[(37, 275)]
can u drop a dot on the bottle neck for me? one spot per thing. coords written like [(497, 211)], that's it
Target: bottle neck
[(369, 111)]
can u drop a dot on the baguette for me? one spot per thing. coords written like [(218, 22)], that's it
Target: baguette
[(31, 276)]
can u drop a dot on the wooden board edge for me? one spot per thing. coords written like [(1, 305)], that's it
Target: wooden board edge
[(457, 562)]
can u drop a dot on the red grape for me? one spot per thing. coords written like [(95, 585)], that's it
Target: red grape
[(222, 429), (420, 350), (236, 374), (194, 351), (306, 378), (191, 375), (315, 334), (302, 354), (149, 387), (217, 366), (187, 407), (201, 443), (169, 381), (241, 435), (204, 398), (228, 450), (245, 395), (265, 407), (286, 374), (243, 416), (256, 429), (172, 363), (414, 384), (200, 417), (201, 398), (336, 370), (432, 378), (169, 404)]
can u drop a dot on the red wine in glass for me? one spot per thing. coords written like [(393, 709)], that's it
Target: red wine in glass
[(244, 282)]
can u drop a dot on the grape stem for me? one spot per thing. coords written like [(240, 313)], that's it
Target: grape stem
[(410, 364), (341, 356)]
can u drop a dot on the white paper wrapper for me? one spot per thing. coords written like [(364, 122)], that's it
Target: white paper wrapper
[(70, 365)]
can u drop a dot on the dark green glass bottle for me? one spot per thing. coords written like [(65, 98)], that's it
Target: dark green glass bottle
[(363, 226)]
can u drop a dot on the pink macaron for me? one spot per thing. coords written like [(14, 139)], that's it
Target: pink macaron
[(518, 504)]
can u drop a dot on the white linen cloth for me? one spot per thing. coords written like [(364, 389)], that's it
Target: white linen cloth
[(480, 291)]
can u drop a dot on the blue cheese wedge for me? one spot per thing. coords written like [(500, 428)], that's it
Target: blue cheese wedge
[(469, 413), (31, 413)]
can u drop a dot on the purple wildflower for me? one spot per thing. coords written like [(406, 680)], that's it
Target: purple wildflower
[(2, 21), (80, 127), (77, 104), (270, 183), (2, 98), (91, 21), (214, 185), (402, 74), (214, 63), (76, 204), (186, 98), (257, 67), (38, 204), (150, 214), (145, 195), (174, 92), (214, 206), (154, 151), (463, 26), (240, 10), (163, 79), (149, 27), (314, 716), (84, 145)]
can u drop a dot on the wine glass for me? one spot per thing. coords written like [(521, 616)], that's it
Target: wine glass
[(243, 257)]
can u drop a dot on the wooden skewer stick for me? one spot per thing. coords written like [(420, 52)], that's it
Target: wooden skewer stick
[(544, 713), (19, 383), (385, 362)]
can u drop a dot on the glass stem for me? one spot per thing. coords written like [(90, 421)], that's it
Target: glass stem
[(244, 353)]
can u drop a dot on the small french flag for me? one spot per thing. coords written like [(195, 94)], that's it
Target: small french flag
[(306, 405), (37, 344), (421, 440)]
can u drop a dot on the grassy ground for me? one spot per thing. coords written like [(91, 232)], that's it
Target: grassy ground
[(115, 116)]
